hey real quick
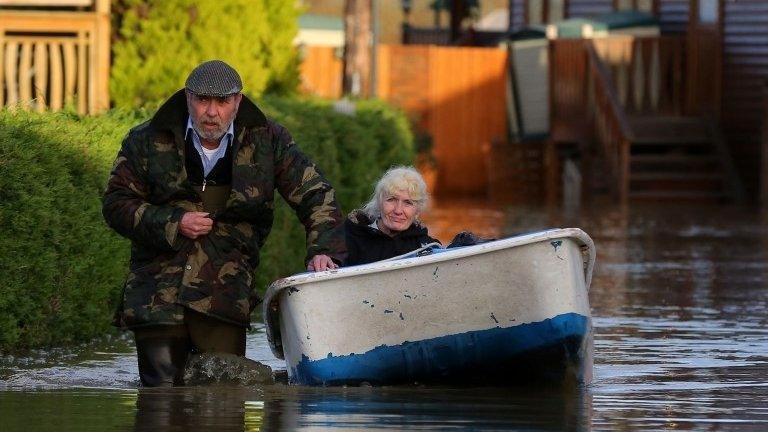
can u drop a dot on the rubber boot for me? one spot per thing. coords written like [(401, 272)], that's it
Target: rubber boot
[(162, 360)]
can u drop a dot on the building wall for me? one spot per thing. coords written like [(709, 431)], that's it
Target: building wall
[(745, 70), (586, 8), (672, 13)]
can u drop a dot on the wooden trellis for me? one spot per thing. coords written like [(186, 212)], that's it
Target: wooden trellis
[(55, 54)]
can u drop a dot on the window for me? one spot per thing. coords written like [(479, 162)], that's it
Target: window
[(709, 11)]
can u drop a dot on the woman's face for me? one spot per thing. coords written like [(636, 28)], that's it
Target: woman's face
[(398, 211)]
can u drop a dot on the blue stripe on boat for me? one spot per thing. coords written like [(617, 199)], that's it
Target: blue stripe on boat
[(448, 356)]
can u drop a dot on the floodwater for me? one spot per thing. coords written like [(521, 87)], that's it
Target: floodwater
[(680, 314)]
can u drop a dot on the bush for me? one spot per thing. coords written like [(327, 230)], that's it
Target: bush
[(63, 268), (60, 263), (159, 41)]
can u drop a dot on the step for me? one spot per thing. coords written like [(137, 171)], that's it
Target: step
[(666, 182), (675, 175), (678, 195), (681, 159), (671, 140), (669, 130)]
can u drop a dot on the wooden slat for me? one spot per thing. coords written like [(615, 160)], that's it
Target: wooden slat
[(47, 21), (638, 78), (321, 72), (568, 90), (384, 60), (41, 75), (57, 76), (11, 73), (2, 69), (25, 74), (654, 78), (58, 3), (100, 56), (70, 70), (91, 73), (82, 92)]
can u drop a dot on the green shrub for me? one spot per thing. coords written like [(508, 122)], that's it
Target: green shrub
[(63, 268), (60, 263), (160, 41)]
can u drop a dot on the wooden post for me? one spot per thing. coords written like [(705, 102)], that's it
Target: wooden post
[(552, 173), (101, 53), (624, 159), (704, 61), (357, 47)]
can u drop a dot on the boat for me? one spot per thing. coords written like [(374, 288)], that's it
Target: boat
[(504, 311)]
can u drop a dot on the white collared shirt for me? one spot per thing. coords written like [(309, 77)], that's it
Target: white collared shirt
[(210, 157)]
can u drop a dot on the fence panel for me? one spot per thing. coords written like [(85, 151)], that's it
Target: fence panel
[(456, 95), (55, 58), (321, 70)]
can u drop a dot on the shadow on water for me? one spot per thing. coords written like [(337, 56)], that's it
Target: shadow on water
[(680, 315)]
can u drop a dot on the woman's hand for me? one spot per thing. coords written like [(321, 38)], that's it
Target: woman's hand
[(321, 263)]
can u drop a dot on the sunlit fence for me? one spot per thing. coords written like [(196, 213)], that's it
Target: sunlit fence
[(455, 94), (54, 53)]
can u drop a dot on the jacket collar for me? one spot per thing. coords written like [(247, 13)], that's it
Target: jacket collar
[(359, 222), (173, 114)]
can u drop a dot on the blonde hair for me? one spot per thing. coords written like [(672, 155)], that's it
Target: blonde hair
[(399, 178)]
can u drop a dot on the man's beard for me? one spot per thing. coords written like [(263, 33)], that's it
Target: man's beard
[(211, 134)]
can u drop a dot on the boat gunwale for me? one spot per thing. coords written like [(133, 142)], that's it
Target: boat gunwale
[(446, 255)]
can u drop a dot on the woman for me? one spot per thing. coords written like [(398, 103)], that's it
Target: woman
[(388, 225)]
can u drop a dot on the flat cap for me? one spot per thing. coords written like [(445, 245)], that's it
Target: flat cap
[(214, 78)]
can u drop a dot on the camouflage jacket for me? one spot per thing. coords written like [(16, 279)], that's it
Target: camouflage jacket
[(148, 192)]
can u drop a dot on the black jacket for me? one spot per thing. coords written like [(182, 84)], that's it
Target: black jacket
[(366, 244)]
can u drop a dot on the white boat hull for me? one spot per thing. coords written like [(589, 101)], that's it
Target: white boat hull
[(495, 310)]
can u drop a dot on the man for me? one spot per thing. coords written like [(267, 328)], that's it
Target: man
[(193, 190)]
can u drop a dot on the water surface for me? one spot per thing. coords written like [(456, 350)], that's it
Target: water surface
[(680, 311)]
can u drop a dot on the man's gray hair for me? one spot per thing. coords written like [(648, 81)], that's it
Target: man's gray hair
[(399, 178)]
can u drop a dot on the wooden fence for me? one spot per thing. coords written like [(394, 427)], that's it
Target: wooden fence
[(50, 59), (647, 71), (456, 95)]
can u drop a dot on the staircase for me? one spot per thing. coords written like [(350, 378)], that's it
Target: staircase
[(623, 99), (678, 159)]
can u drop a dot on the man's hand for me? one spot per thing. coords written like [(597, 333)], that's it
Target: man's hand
[(321, 263), (195, 224)]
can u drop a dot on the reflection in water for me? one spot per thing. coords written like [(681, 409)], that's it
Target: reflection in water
[(283, 408), (680, 309), (409, 408), (202, 408)]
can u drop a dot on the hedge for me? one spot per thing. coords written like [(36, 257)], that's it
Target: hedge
[(63, 268), (157, 42)]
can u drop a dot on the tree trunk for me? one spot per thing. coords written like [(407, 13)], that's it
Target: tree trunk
[(357, 47)]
